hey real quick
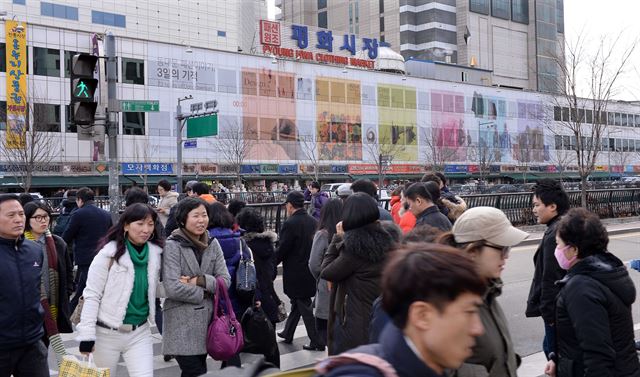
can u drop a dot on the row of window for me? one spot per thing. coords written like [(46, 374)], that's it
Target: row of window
[(568, 143), (46, 62), (71, 13), (47, 118), (586, 116), (516, 10)]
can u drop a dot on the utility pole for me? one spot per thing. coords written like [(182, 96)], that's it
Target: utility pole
[(112, 128), (179, 119)]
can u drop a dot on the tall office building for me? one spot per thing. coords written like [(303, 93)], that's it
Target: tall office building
[(519, 40)]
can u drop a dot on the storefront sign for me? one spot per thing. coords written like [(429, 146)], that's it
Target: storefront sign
[(249, 169), (271, 40), (227, 169), (78, 168), (601, 168), (339, 169), (507, 168), (406, 169), (268, 169), (456, 168), (16, 83), (473, 168), (360, 169), (134, 168), (287, 169), (208, 169)]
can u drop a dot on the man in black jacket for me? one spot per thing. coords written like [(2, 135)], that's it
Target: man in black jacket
[(422, 197), (550, 201), (22, 352), (87, 226), (296, 238)]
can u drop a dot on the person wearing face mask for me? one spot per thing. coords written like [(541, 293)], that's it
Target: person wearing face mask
[(594, 324), (192, 261), (486, 235), (119, 299)]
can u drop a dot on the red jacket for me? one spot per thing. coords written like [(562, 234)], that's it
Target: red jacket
[(396, 204), (407, 222)]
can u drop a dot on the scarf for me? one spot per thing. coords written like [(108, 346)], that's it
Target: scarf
[(138, 306), (199, 242), (49, 300)]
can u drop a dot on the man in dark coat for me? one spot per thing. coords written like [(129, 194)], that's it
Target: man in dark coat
[(296, 238), (550, 202), (87, 226), (430, 332), (422, 197)]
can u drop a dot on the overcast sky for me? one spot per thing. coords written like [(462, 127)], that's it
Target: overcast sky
[(599, 18)]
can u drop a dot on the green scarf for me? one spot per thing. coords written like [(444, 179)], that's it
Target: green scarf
[(138, 307)]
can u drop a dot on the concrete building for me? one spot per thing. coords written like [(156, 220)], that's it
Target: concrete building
[(519, 40)]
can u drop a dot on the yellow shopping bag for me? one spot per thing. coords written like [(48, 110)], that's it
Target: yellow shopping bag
[(72, 367)]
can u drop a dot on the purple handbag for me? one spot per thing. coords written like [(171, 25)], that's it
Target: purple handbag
[(224, 336)]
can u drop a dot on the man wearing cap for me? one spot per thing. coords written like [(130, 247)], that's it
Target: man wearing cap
[(344, 191), (296, 238), (486, 235)]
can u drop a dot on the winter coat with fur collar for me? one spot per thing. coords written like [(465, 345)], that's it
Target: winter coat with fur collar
[(353, 263)]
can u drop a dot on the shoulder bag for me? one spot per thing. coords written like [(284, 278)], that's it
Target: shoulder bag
[(224, 336), (246, 279)]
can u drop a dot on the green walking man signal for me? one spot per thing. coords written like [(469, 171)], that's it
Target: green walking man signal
[(83, 88)]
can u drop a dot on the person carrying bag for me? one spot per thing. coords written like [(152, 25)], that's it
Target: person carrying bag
[(224, 336)]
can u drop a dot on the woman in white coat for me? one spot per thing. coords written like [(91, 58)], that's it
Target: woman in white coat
[(120, 294)]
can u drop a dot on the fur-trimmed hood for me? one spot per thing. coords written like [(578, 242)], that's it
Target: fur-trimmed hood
[(369, 242), (269, 235)]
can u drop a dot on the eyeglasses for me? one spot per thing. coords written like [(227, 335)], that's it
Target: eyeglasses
[(504, 250), (41, 218)]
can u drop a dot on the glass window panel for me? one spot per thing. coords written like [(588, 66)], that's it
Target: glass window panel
[(520, 11), (589, 116), (46, 62), (3, 115), (557, 113), (68, 125), (46, 118), (500, 9), (133, 124), (479, 6), (322, 4), (322, 20), (133, 71)]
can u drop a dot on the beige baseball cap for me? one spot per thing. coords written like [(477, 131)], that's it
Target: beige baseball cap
[(487, 224)]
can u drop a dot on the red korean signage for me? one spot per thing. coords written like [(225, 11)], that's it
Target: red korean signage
[(270, 33), (358, 169)]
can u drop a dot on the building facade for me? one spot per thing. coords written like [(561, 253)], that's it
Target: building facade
[(519, 40), (293, 115)]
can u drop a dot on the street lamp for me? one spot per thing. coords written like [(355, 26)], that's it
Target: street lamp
[(179, 142)]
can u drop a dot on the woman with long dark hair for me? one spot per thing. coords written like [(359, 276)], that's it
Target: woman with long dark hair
[(330, 216), (119, 299), (353, 264), (57, 274)]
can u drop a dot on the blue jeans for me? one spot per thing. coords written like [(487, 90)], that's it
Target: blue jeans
[(549, 341)]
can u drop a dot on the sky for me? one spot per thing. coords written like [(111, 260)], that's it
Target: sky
[(598, 18)]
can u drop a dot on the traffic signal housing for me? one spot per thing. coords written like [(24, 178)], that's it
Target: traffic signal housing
[(83, 88)]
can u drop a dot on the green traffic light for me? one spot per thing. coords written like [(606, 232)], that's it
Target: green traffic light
[(82, 89)]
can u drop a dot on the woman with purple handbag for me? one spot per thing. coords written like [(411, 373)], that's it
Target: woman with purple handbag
[(193, 266)]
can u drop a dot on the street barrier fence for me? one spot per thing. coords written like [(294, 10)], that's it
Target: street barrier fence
[(610, 203)]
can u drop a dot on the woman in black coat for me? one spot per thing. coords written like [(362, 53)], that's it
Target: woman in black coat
[(262, 243), (594, 325), (353, 264)]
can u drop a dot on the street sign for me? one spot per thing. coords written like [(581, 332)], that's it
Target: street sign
[(193, 143), (195, 107), (134, 106), (202, 126)]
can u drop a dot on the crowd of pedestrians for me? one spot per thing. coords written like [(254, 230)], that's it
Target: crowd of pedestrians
[(410, 292)]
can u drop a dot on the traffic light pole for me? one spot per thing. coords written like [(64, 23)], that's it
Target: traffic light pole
[(112, 126)]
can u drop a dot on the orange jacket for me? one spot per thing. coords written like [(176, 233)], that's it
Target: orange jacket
[(208, 198), (396, 204), (407, 222)]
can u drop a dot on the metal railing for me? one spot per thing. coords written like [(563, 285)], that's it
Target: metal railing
[(517, 206)]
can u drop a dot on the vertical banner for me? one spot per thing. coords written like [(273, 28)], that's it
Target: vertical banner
[(16, 43)]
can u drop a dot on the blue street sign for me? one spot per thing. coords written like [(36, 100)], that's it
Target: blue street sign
[(135, 168), (191, 143)]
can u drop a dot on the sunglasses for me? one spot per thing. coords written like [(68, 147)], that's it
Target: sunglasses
[(504, 250)]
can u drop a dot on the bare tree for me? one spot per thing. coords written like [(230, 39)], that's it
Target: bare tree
[(234, 148), (563, 158), (484, 156), (437, 156), (32, 152), (522, 154), (590, 81), (144, 153), (383, 152), (310, 154)]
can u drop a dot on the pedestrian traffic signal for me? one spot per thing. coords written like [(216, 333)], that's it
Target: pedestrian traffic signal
[(83, 88)]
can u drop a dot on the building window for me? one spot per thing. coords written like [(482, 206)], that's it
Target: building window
[(479, 6), (560, 15), (111, 19), (557, 113), (222, 33), (322, 20), (46, 62), (3, 115), (69, 126), (322, 4), (46, 118), (520, 11), (58, 11), (500, 9), (3, 57), (132, 71), (68, 57), (381, 24), (20, 2), (381, 6), (133, 124)]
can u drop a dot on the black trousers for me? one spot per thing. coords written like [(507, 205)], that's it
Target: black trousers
[(321, 328), (81, 282), (301, 307), (29, 361), (192, 365)]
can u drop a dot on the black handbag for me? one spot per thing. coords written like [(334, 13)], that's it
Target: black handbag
[(260, 335), (246, 279)]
